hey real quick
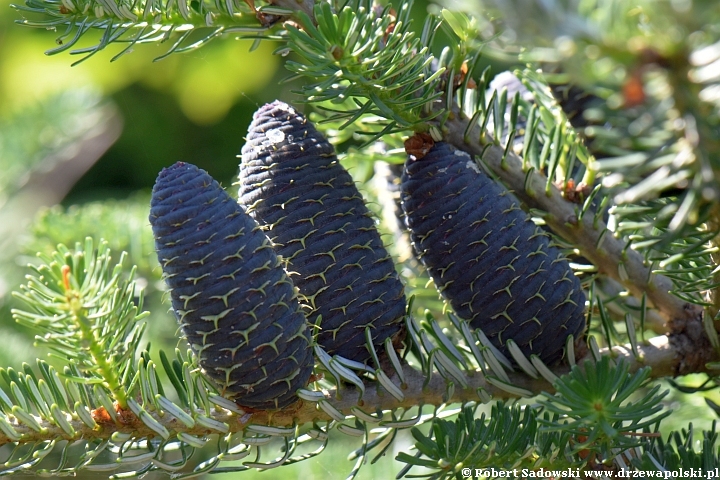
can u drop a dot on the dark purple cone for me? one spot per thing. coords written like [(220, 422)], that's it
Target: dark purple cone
[(291, 182), (235, 304), (487, 258)]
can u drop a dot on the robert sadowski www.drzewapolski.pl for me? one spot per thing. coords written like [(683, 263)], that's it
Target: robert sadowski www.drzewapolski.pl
[(576, 473)]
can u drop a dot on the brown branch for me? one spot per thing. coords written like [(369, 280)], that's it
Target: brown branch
[(609, 288), (305, 6), (683, 352)]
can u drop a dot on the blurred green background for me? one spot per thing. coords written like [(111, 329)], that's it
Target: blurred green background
[(80, 136), (80, 148)]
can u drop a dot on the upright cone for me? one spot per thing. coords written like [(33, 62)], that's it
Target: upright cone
[(235, 304), (487, 258), (291, 182)]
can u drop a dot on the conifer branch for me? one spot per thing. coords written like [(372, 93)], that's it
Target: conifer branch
[(666, 356), (701, 137), (622, 304), (365, 65)]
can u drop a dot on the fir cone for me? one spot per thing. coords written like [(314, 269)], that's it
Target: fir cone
[(487, 258), (572, 99), (235, 304), (291, 182), (508, 81), (574, 102)]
